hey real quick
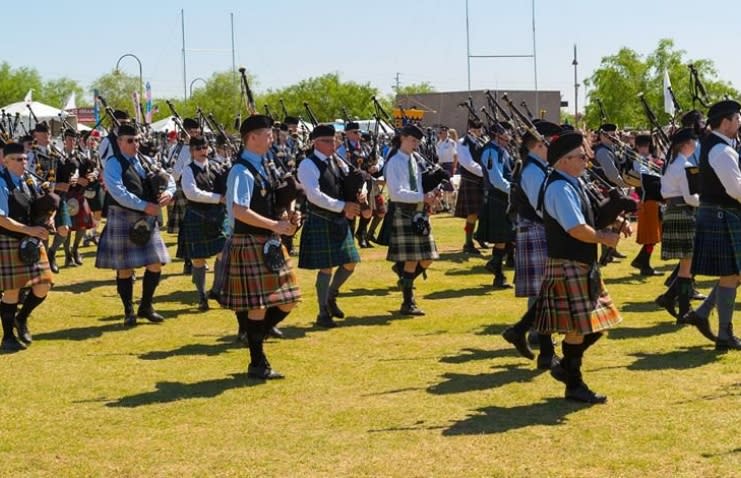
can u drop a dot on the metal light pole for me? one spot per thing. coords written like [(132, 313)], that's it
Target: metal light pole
[(141, 78), (193, 81), (576, 91)]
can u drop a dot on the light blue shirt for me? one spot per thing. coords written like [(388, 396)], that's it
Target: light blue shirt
[(531, 180), (112, 175), (496, 172), (5, 194), (240, 184), (563, 203)]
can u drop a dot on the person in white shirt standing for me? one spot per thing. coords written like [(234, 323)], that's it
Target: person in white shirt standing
[(447, 154), (471, 189)]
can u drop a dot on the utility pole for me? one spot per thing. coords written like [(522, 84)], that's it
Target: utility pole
[(576, 90), (397, 82), (182, 27)]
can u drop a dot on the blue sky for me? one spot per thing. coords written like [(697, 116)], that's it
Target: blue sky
[(282, 42)]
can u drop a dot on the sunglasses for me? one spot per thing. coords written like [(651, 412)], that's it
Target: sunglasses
[(132, 140), (200, 148)]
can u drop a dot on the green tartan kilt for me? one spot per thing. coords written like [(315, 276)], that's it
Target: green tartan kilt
[(678, 232), (202, 233), (63, 218), (322, 246), (405, 244)]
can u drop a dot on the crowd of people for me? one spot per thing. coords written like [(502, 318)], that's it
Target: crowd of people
[(544, 197)]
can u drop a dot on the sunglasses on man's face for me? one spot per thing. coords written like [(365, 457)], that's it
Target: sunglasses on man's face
[(131, 140), (200, 148)]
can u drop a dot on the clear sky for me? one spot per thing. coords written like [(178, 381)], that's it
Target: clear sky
[(284, 41)]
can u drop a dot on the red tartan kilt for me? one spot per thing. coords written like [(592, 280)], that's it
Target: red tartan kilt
[(248, 283), (83, 220), (649, 223)]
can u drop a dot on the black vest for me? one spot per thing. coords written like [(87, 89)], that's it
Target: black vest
[(133, 183), (560, 244), (262, 202), (711, 189), (518, 196), (475, 147), (19, 203), (329, 183), (205, 180)]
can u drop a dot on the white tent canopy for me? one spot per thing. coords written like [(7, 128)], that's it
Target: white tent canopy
[(168, 124), (43, 112)]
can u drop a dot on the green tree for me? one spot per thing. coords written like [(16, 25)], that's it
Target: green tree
[(15, 83), (56, 92), (117, 87), (415, 89)]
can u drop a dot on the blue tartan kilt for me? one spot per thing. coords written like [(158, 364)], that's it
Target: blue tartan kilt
[(494, 224), (116, 251), (717, 250), (320, 249), (62, 217), (531, 254), (176, 211), (407, 245), (202, 233)]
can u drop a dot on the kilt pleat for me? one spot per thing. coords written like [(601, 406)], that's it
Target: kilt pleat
[(678, 232), (176, 211), (405, 244), (202, 233), (470, 195), (717, 249), (320, 249), (83, 220), (494, 224), (564, 304), (649, 223), (116, 251), (244, 282), (14, 274), (530, 257)]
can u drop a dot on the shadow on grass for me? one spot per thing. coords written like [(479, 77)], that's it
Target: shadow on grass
[(172, 391), (477, 269), (457, 293), (193, 349), (114, 324), (487, 420), (493, 329), (461, 383), (361, 292), (86, 286), (622, 332), (647, 306), (685, 358), (469, 355), (723, 453), (457, 257), (370, 320)]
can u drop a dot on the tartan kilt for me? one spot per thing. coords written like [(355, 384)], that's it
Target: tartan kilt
[(116, 251), (95, 196), (62, 218), (530, 257), (14, 274), (470, 195), (494, 224), (318, 249), (649, 223), (678, 232), (83, 220), (564, 304), (202, 233), (244, 282), (717, 242), (176, 211), (405, 244)]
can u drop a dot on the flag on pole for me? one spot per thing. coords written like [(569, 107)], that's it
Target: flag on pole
[(137, 106), (668, 102), (28, 98), (148, 107), (96, 107), (71, 103)]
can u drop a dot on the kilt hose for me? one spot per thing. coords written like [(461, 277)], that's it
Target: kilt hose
[(564, 304), (320, 248), (203, 232), (62, 217), (404, 243), (116, 251), (244, 282), (717, 249), (494, 224), (649, 223), (470, 194), (530, 257), (14, 274), (678, 232), (83, 220), (176, 211)]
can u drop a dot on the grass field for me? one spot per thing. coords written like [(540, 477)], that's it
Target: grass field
[(381, 395)]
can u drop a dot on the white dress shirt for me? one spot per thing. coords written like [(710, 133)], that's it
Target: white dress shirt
[(191, 189), (308, 176), (466, 160), (181, 161), (446, 151), (674, 182), (397, 179), (724, 161)]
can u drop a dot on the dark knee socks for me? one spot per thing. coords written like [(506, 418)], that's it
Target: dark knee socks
[(7, 316), (125, 289), (149, 285), (31, 302)]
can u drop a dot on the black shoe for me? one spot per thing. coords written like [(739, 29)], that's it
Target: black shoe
[(618, 254), (471, 249), (69, 261), (12, 344), (668, 304), (213, 295), (149, 314), (262, 372), (583, 394), (697, 295), (500, 282), (548, 362), (24, 335), (519, 341), (325, 321), (76, 257), (702, 324), (483, 244), (372, 238), (53, 265), (332, 306), (411, 309), (276, 333), (731, 343), (130, 320), (203, 305), (650, 271)]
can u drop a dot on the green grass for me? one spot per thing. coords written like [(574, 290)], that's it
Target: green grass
[(440, 395)]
